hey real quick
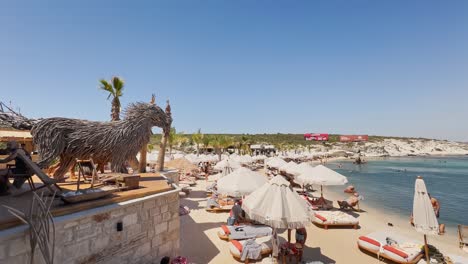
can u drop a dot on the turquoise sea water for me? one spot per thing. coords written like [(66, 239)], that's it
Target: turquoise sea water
[(388, 183)]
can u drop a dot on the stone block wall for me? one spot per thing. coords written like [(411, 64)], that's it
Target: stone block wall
[(150, 231)]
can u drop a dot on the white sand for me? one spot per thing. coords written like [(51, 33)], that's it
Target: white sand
[(200, 243)]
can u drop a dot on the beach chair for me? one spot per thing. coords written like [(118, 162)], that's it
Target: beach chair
[(405, 250), (34, 169), (463, 236), (326, 219), (241, 232), (236, 247)]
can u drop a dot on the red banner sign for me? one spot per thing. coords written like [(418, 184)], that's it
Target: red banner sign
[(354, 138), (316, 137)]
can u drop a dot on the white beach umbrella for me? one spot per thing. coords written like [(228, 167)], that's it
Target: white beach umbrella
[(299, 169), (240, 182), (275, 162), (277, 205), (424, 218), (227, 163), (288, 166), (322, 175), (259, 157)]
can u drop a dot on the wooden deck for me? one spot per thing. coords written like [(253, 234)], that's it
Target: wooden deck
[(150, 183)]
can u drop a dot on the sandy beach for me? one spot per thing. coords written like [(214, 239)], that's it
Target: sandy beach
[(200, 243)]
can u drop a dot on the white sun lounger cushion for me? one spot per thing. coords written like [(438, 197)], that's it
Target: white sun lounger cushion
[(246, 231), (377, 242), (265, 242), (334, 218)]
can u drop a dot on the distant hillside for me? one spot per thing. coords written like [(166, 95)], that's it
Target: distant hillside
[(282, 139)]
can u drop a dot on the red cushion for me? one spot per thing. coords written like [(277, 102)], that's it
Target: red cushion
[(320, 217), (369, 240), (225, 229), (237, 244), (396, 251)]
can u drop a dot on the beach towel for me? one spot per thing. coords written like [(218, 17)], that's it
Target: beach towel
[(251, 250), (212, 203), (249, 231)]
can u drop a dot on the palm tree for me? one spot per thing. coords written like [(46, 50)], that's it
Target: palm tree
[(206, 140), (115, 89), (198, 139)]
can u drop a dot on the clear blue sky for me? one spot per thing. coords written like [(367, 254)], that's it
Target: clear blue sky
[(369, 67)]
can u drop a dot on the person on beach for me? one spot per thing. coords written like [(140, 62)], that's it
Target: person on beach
[(436, 206), (352, 201), (237, 213)]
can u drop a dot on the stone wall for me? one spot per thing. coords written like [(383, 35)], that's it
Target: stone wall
[(150, 231)]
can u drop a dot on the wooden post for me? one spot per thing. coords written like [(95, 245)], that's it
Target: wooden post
[(143, 151), (162, 149), (426, 249)]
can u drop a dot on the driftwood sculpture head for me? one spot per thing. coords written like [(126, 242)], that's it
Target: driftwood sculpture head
[(118, 141)]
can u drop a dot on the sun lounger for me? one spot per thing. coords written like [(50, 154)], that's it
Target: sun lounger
[(242, 232), (346, 206), (221, 209), (463, 236), (335, 218), (406, 250), (236, 247)]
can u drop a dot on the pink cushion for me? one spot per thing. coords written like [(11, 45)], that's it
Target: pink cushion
[(369, 240), (320, 217), (237, 244), (396, 251), (225, 229)]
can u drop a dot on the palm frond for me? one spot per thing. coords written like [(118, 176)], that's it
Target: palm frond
[(118, 84)]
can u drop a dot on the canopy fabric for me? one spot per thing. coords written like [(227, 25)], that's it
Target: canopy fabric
[(425, 220), (275, 162), (259, 157), (322, 175), (299, 169), (275, 204), (241, 182), (227, 163), (288, 165)]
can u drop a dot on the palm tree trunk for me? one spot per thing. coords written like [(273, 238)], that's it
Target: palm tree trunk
[(115, 112), (162, 149), (143, 151)]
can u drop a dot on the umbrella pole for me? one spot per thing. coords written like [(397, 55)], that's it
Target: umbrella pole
[(321, 191), (426, 249)]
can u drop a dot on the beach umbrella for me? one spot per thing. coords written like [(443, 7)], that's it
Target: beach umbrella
[(424, 218), (275, 162), (240, 182), (298, 169), (227, 163), (287, 166), (275, 204), (322, 175)]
